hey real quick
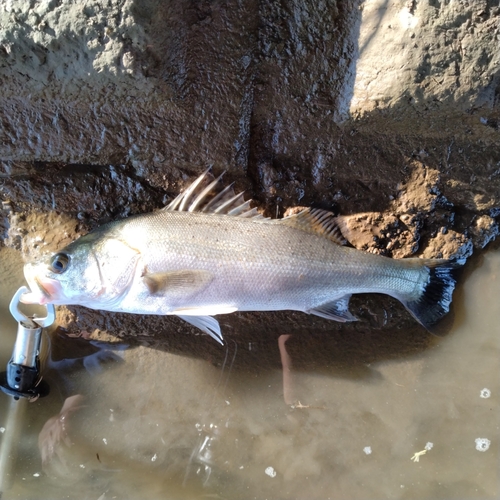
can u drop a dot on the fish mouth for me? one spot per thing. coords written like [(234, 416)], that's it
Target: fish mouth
[(43, 291)]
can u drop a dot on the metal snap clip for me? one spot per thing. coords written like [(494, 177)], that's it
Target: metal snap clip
[(23, 378), (20, 317)]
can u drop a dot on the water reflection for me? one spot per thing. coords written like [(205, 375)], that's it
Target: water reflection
[(423, 424)]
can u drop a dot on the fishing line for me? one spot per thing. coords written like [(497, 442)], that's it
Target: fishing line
[(219, 382), (231, 366), (208, 435)]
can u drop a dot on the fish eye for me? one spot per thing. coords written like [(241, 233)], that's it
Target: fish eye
[(59, 263)]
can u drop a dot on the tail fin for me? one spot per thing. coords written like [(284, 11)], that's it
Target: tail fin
[(434, 303)]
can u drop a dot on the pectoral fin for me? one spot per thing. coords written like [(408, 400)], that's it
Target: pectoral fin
[(206, 324), (179, 283), (337, 310)]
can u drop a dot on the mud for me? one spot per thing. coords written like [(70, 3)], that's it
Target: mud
[(384, 113)]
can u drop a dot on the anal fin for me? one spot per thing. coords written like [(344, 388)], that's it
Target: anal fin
[(206, 324), (337, 310)]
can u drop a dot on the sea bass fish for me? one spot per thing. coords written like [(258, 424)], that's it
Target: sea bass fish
[(208, 253)]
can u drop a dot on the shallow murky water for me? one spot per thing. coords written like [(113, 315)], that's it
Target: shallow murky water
[(164, 426)]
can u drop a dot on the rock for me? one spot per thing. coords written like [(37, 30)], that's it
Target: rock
[(448, 244), (420, 192), (380, 233), (484, 230)]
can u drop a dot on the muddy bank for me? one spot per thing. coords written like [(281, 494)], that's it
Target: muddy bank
[(383, 113)]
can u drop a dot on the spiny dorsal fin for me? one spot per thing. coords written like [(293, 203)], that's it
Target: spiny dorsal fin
[(207, 194), (316, 221)]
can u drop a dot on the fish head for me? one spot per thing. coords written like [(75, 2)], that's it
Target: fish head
[(94, 271)]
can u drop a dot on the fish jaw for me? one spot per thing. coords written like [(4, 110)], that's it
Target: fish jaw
[(44, 290)]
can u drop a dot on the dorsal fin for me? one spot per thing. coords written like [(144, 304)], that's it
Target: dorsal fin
[(181, 201), (207, 194), (316, 221)]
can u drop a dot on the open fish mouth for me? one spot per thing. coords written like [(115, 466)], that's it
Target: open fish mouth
[(42, 292), (42, 289)]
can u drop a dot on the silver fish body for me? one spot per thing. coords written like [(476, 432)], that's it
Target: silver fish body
[(197, 264)]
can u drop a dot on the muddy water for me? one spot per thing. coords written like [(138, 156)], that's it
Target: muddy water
[(164, 426)]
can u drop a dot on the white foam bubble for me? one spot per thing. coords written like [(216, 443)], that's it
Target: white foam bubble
[(482, 444), (485, 393), (270, 472)]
